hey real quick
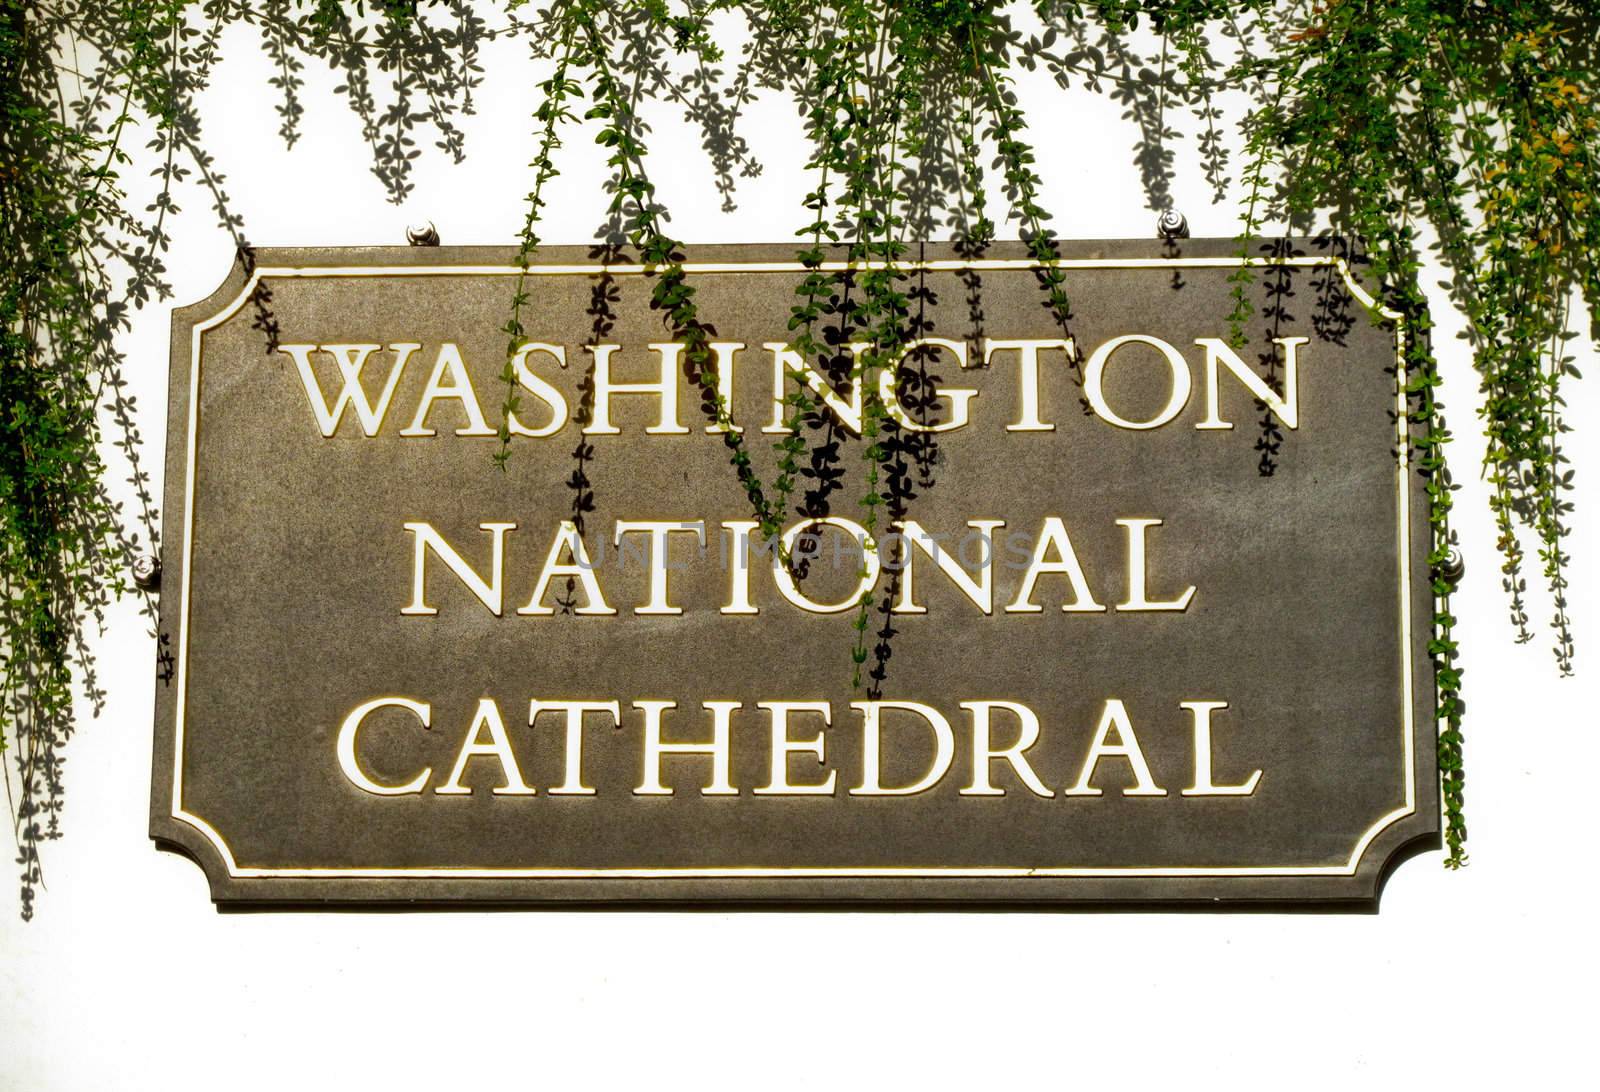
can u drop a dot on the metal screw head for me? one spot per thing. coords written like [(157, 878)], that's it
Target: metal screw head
[(146, 571), (1452, 568), (1172, 225), (422, 234)]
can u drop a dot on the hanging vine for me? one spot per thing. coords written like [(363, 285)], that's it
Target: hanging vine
[(1468, 127)]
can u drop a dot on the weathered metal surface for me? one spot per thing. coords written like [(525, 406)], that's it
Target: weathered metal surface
[(288, 600)]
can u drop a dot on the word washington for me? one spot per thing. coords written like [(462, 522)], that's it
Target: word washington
[(450, 381)]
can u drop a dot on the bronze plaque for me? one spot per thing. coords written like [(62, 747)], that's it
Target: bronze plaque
[(1148, 623)]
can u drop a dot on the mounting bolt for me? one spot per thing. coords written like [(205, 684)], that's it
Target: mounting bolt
[(1452, 568), (147, 572), (422, 234), (1172, 225)]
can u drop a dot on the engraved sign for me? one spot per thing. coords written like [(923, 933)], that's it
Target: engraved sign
[(1015, 605)]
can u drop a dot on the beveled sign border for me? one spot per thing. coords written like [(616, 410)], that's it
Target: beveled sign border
[(1357, 879)]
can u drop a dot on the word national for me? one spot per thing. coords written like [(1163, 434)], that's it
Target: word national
[(908, 550)]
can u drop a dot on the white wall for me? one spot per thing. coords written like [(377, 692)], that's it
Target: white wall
[(129, 979)]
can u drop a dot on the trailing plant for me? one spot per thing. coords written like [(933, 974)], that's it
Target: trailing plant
[(1464, 127), (1476, 119), (81, 246)]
